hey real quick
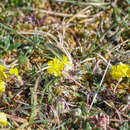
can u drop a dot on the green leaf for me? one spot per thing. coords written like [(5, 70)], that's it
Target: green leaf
[(125, 126), (22, 59), (14, 46), (7, 43), (88, 127), (54, 50)]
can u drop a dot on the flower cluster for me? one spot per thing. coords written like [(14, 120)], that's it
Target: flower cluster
[(3, 119), (56, 66), (4, 74), (120, 71)]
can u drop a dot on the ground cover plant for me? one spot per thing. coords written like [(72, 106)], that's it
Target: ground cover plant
[(64, 64)]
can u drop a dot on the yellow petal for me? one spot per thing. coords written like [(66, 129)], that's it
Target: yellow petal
[(128, 73), (55, 67), (13, 71), (65, 61), (3, 119), (2, 68), (2, 86)]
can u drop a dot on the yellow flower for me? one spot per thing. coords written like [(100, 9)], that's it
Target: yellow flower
[(13, 71), (2, 68), (3, 119), (56, 66), (65, 60), (120, 71), (2, 86), (2, 73)]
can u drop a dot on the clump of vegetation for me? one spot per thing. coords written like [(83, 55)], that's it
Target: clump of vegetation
[(64, 64)]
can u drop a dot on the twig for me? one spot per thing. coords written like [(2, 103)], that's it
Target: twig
[(84, 3), (53, 13), (80, 12), (103, 58), (118, 113), (117, 85), (75, 81), (92, 19), (86, 60), (99, 85), (16, 118), (42, 69), (118, 46), (116, 120)]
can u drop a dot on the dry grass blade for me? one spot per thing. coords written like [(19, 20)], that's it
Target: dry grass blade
[(100, 85), (54, 13), (79, 13), (83, 3), (18, 119), (34, 110)]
